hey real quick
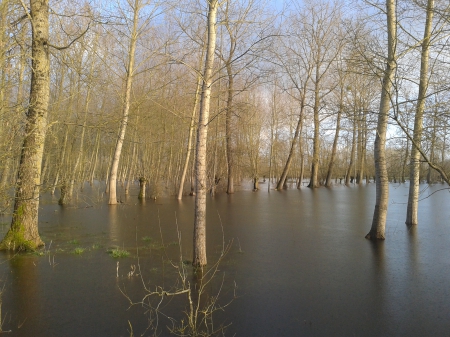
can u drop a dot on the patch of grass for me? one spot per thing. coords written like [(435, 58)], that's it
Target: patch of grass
[(147, 239), (96, 246), (79, 250), (117, 253), (74, 242)]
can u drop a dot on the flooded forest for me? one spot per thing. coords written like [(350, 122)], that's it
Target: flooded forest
[(214, 167)]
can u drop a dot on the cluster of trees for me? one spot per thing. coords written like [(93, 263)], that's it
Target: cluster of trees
[(193, 96)]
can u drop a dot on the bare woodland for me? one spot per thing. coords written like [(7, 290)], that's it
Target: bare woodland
[(197, 97)]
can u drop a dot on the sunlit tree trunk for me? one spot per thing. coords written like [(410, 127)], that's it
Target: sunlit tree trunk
[(126, 106), (377, 230), (199, 258), (23, 234), (414, 173)]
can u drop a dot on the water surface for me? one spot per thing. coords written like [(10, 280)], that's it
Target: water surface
[(299, 260)]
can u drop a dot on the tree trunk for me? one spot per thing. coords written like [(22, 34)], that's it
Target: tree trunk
[(190, 137), (23, 234), (335, 141), (199, 258), (282, 180), (352, 153), (377, 230), (142, 186), (126, 107), (414, 175), (229, 128), (405, 161), (314, 182), (272, 125)]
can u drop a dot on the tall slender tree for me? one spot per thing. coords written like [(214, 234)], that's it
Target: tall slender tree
[(414, 170), (137, 6), (199, 258), (377, 231)]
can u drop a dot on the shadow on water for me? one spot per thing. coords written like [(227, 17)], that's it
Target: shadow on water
[(299, 259)]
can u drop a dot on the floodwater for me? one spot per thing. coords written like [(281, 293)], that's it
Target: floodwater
[(298, 265)]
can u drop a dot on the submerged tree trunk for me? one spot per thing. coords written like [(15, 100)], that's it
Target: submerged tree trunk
[(336, 137), (199, 258), (298, 128), (142, 186), (126, 106), (352, 153), (229, 128), (314, 182), (377, 230), (23, 234), (414, 175)]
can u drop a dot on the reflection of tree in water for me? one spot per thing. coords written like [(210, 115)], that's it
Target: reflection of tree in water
[(190, 306)]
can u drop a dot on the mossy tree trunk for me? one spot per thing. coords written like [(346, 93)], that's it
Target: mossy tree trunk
[(23, 234)]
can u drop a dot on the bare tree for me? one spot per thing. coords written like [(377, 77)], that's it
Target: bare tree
[(137, 6), (199, 258), (377, 231), (414, 170)]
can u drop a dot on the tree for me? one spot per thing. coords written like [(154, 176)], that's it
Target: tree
[(23, 234), (377, 231), (414, 173), (126, 103), (199, 258)]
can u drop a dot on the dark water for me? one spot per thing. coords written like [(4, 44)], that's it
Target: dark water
[(299, 260)]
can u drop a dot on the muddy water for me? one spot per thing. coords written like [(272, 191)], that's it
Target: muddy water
[(299, 260)]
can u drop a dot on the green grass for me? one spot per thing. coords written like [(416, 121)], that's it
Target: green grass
[(79, 250), (117, 253), (96, 246), (74, 242), (147, 238)]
